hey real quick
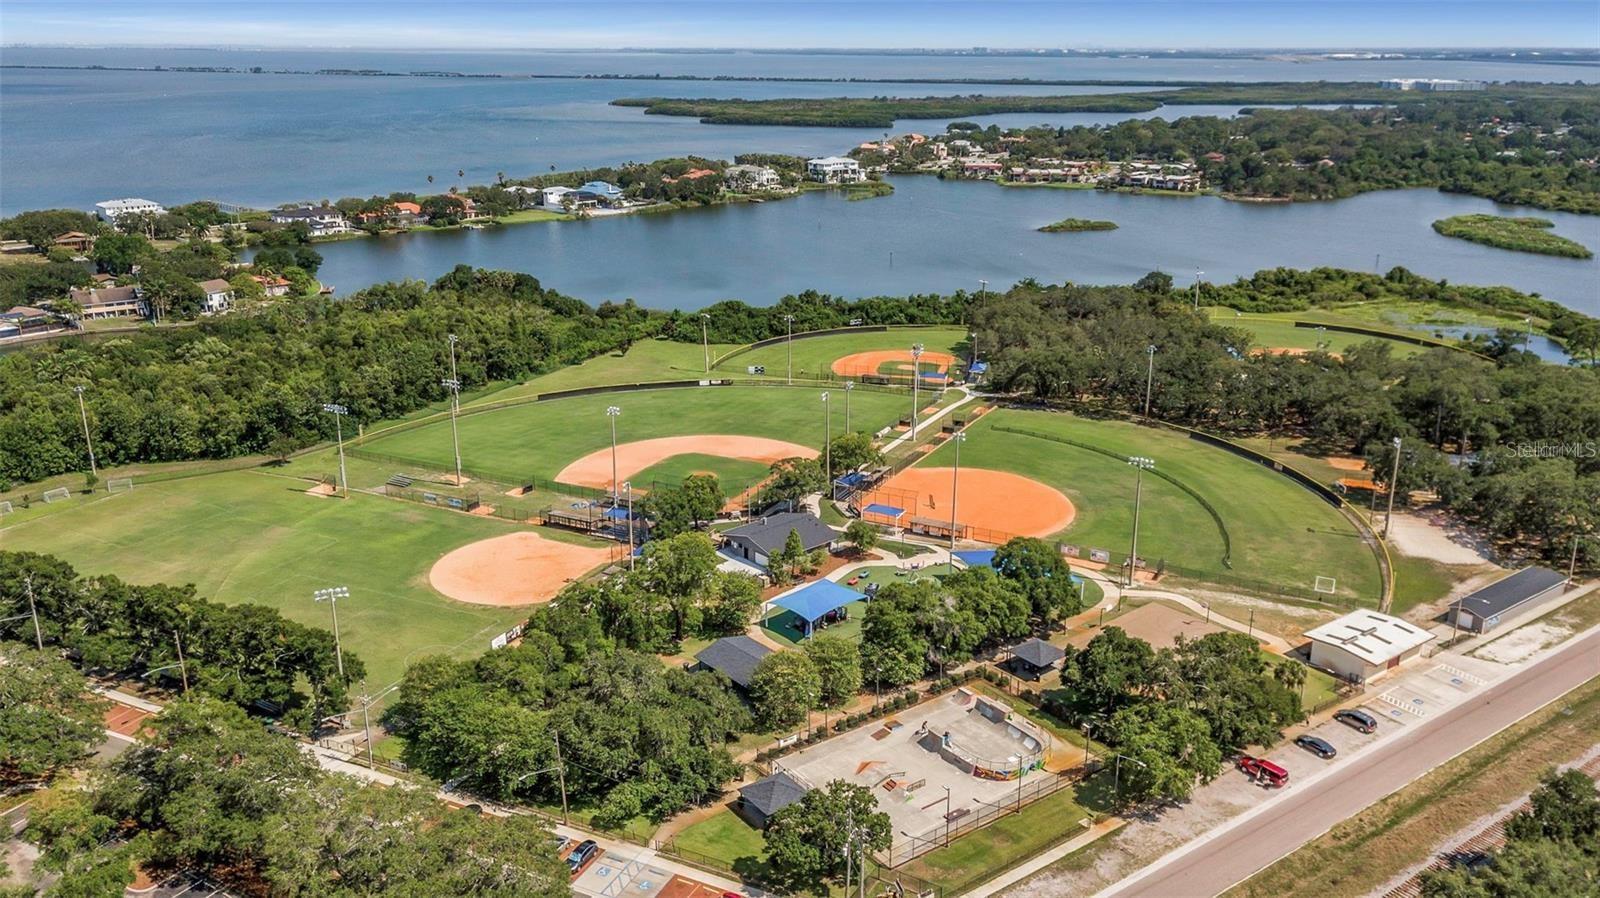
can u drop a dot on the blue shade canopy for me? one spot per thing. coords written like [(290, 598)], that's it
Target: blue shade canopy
[(888, 510), (817, 599), (977, 558)]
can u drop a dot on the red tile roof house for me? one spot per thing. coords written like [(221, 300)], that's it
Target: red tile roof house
[(273, 286), (110, 302)]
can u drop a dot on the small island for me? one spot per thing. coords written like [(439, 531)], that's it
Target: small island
[(1528, 235), (1079, 224)]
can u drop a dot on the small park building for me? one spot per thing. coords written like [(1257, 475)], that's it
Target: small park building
[(1364, 644)]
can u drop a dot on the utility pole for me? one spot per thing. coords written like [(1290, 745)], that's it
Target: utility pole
[(628, 485), (705, 341), (338, 412), (183, 666), (84, 414), (788, 349), (1140, 465), (1197, 273), (848, 386), (33, 610), (1149, 377), (1572, 570), (612, 412), (958, 438), (1393, 488), (561, 776), (332, 595), (366, 723), (827, 442), (916, 376)]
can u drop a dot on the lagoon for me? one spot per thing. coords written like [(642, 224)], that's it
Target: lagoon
[(940, 236)]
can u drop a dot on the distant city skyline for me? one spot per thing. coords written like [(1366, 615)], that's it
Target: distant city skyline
[(873, 24)]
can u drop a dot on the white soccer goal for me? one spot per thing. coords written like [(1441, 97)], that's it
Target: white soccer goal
[(119, 484), (1325, 585), (5, 507), (57, 494)]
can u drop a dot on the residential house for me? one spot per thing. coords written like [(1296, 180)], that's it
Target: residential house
[(110, 302), (219, 296), (752, 177), (321, 220), (111, 210), (835, 170), (764, 537), (75, 242), (273, 286), (406, 214), (21, 320), (598, 193), (974, 169), (556, 198)]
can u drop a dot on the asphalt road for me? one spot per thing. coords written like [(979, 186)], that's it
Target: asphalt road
[(1213, 867)]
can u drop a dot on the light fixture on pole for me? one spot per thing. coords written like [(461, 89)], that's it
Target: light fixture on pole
[(1149, 377), (788, 349), (338, 411), (916, 375), (454, 387), (827, 442), (848, 386), (332, 595), (705, 340), (1197, 273), (84, 414), (612, 412), (958, 438), (1394, 477), (628, 485), (1140, 465)]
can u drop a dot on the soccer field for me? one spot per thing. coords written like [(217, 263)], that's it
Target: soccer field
[(254, 537), (539, 439), (1279, 531)]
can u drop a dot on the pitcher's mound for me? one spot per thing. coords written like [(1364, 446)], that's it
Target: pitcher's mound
[(997, 501), (521, 568)]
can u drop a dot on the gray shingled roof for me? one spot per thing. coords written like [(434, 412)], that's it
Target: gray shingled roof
[(1503, 595), (770, 795), (735, 657), (769, 533), (1038, 653)]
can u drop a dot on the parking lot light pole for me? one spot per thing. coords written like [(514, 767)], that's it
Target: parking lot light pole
[(338, 411), (612, 412), (332, 595), (1140, 465)]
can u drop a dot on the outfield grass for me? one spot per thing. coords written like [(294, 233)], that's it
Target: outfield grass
[(540, 439), (253, 537), (814, 356), (647, 360), (1279, 332), (1280, 532), (978, 855), (735, 474)]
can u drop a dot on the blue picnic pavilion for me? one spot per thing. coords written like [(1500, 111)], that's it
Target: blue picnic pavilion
[(813, 601)]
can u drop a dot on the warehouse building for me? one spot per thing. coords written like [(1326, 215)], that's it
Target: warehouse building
[(1364, 644), (1486, 608)]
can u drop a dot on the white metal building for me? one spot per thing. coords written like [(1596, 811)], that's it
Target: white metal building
[(1363, 644)]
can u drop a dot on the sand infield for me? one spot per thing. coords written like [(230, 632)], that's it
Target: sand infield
[(994, 500), (519, 568), (594, 469), (877, 361)]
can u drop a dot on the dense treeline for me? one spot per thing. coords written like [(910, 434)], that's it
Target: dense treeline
[(733, 321), (1552, 848), (249, 655), (1528, 235), (254, 383), (1528, 431), (209, 792)]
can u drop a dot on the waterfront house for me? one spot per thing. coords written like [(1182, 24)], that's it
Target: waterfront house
[(219, 296), (405, 215), (981, 169), (751, 177), (19, 321), (321, 220), (834, 170), (273, 286), (110, 302), (111, 210), (556, 198), (599, 192)]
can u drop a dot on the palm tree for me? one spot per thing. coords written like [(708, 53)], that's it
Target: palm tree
[(430, 179), (500, 178)]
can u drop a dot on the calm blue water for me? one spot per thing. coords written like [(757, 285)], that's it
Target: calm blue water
[(932, 235)]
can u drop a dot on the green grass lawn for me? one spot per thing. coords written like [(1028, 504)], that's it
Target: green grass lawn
[(253, 537), (540, 439), (1279, 332), (734, 473), (1418, 581), (726, 838), (1280, 532), (647, 360), (814, 356), (978, 855)]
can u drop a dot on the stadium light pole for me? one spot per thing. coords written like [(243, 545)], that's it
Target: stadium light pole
[(827, 441), (848, 386), (1393, 477), (705, 340), (33, 612), (454, 386), (628, 485), (1197, 273), (338, 411), (1149, 377), (788, 349), (84, 414), (916, 375), (1140, 465), (332, 595), (612, 412), (958, 438)]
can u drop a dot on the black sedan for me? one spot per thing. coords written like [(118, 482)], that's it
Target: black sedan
[(1322, 748), (1361, 721)]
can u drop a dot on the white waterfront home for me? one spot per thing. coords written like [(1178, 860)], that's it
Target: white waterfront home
[(834, 170)]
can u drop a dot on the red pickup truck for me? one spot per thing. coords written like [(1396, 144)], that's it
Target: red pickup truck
[(1263, 771)]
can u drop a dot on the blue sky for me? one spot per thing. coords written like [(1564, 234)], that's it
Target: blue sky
[(436, 24)]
